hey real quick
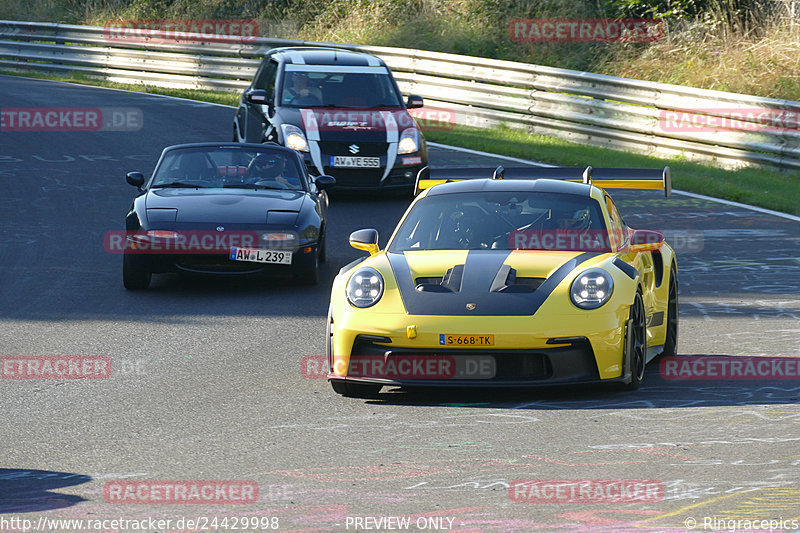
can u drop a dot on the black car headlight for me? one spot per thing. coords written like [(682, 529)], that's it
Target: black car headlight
[(409, 141), (592, 288), (294, 138), (365, 287)]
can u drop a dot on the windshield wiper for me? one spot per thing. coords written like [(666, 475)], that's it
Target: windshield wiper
[(179, 184)]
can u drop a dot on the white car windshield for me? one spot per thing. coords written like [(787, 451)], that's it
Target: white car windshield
[(330, 86)]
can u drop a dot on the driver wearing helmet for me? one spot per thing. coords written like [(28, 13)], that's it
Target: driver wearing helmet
[(569, 218), (269, 168), (571, 228)]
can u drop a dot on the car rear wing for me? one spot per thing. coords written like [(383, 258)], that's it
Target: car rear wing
[(605, 178)]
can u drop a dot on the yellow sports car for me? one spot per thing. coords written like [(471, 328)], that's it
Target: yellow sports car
[(511, 277)]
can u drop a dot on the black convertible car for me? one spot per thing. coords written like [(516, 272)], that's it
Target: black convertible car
[(226, 208), (341, 110)]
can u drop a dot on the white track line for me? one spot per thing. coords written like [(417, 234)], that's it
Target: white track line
[(464, 150), (496, 156)]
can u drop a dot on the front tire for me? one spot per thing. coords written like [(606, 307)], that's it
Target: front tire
[(671, 341), (134, 277), (636, 343)]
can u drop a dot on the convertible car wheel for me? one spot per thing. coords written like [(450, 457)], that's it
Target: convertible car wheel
[(322, 250), (671, 344), (134, 277), (355, 390), (636, 343)]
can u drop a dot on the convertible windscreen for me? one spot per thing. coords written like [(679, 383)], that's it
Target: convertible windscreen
[(503, 221), (347, 87), (228, 168)]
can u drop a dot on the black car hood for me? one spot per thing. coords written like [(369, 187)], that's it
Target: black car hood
[(234, 206), (348, 125)]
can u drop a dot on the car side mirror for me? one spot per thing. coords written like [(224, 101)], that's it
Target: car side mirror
[(324, 182), (135, 178), (414, 101), (259, 96), (365, 239), (645, 240)]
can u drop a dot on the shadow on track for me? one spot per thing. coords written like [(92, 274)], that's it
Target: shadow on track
[(655, 393), (29, 491)]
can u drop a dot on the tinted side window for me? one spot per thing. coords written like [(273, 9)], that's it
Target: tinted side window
[(266, 78)]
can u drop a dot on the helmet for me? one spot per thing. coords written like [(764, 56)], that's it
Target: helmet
[(573, 219), (265, 166)]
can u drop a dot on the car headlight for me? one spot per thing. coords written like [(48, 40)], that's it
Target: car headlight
[(279, 239), (409, 141), (592, 288), (294, 138), (365, 287)]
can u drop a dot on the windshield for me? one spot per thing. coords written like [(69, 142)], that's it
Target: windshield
[(229, 167), (505, 220), (331, 86)]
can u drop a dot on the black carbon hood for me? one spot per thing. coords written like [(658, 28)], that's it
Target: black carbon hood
[(482, 286)]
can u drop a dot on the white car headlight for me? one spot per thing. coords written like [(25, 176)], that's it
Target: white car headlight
[(592, 288), (294, 138), (365, 287), (409, 141)]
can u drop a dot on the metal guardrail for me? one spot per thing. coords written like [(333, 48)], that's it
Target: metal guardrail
[(582, 107)]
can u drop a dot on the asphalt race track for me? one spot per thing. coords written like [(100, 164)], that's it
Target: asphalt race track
[(207, 382)]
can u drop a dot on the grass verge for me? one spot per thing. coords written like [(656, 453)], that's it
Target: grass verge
[(759, 186)]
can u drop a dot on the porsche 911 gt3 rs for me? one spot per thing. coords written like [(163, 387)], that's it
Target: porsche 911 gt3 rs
[(516, 277)]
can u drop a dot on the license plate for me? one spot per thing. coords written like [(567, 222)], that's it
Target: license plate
[(255, 255), (466, 340), (355, 161)]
